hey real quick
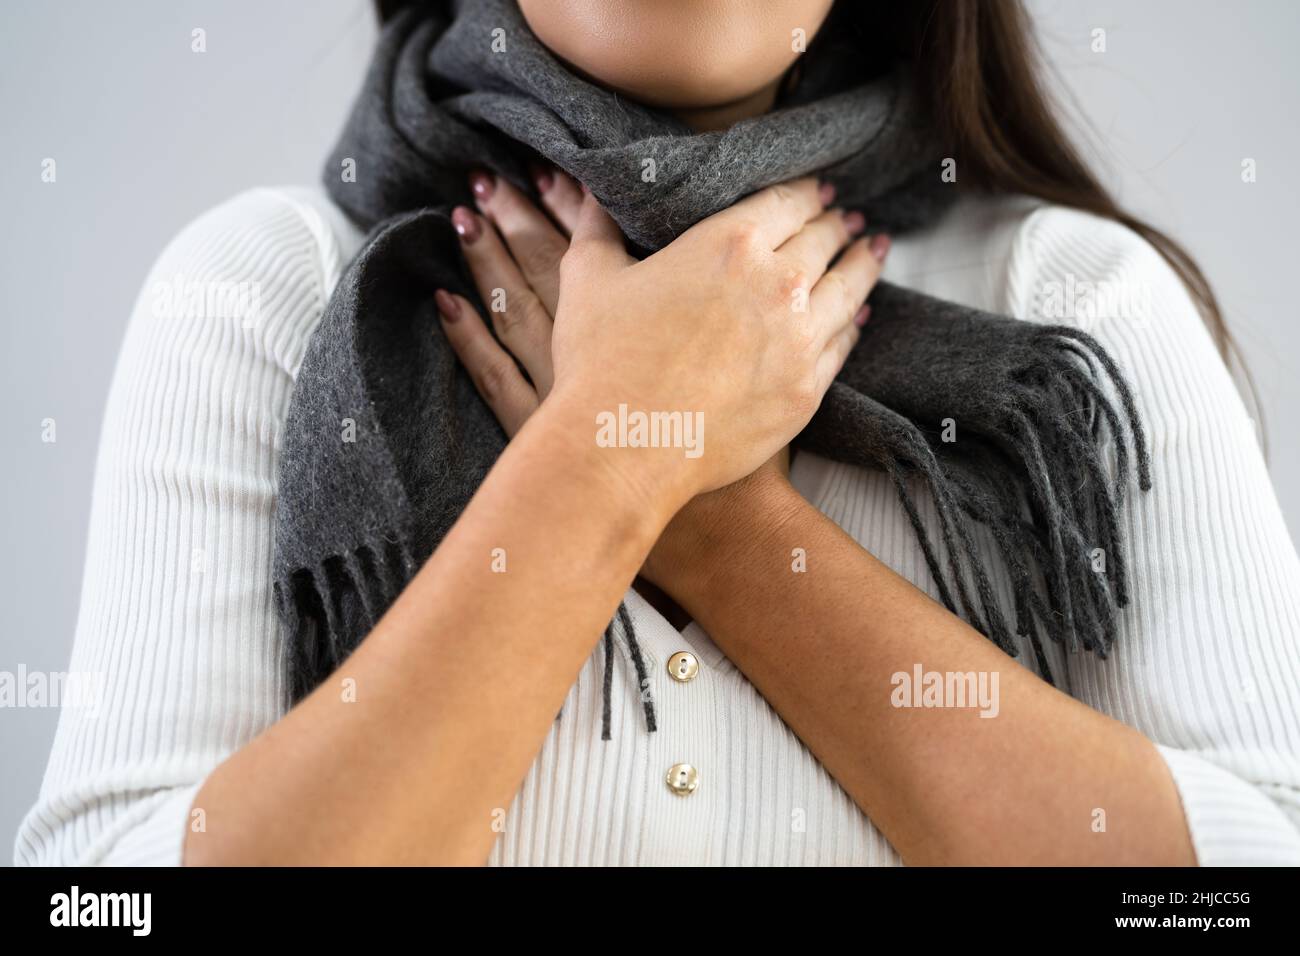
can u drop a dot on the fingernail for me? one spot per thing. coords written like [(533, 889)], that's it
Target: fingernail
[(880, 246), (586, 190), (466, 224), (447, 305), (826, 193), (864, 313), (544, 179), (482, 185), (854, 222)]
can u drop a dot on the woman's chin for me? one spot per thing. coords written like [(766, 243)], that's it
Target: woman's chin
[(675, 55)]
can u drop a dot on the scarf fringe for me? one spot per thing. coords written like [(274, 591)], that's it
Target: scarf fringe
[(1046, 500), (327, 612), (624, 620), (1044, 497)]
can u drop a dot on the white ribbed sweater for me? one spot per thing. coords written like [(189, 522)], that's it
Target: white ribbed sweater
[(177, 617)]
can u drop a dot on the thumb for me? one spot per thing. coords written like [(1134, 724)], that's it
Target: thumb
[(596, 237)]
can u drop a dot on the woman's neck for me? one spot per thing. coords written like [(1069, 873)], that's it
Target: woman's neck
[(707, 118)]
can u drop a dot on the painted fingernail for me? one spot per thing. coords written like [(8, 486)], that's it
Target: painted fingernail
[(447, 305), (482, 185), (880, 246), (826, 193), (466, 225), (854, 222), (864, 313)]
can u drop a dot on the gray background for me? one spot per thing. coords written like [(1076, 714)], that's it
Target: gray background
[(147, 135)]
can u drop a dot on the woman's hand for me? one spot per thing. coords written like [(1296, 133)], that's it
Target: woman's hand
[(514, 255), (643, 334)]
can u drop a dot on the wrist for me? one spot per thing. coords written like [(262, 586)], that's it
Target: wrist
[(654, 481), (721, 534)]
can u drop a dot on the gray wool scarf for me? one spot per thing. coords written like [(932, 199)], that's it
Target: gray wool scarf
[(387, 440)]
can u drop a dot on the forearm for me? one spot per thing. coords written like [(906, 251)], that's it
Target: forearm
[(945, 785), (454, 691)]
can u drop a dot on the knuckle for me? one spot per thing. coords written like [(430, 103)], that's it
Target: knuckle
[(506, 323), (843, 345), (839, 232), (506, 207), (873, 275), (793, 289), (845, 292), (803, 396), (782, 194), (849, 343), (837, 287), (493, 379), (741, 247), (524, 314), (744, 237), (872, 267), (534, 313), (541, 259)]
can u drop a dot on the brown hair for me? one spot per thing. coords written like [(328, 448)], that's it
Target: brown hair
[(979, 67)]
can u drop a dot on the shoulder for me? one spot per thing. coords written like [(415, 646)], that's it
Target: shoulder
[(1057, 265), (267, 227), (1037, 261), (1074, 268), (261, 264)]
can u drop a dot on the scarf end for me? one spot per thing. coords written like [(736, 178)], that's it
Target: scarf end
[(327, 610)]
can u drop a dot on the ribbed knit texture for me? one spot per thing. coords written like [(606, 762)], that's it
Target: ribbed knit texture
[(355, 518), (177, 611)]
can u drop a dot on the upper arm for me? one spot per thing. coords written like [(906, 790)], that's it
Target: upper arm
[(176, 629), (1207, 663)]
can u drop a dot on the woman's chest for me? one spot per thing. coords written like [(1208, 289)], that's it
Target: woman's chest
[(721, 780)]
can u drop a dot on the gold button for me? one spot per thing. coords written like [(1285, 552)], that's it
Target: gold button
[(683, 666), (683, 779)]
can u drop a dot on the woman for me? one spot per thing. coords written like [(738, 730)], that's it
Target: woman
[(781, 725)]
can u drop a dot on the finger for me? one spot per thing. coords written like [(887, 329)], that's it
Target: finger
[(490, 367), (839, 294), (597, 242), (812, 248), (519, 318), (534, 242), (561, 196), (837, 352), (778, 212)]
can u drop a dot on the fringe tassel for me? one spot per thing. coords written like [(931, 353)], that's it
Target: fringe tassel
[(1043, 494), (624, 620), (327, 611), (642, 680), (1036, 480), (606, 712)]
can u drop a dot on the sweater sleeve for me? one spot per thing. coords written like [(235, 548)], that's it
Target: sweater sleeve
[(176, 624), (1207, 664)]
